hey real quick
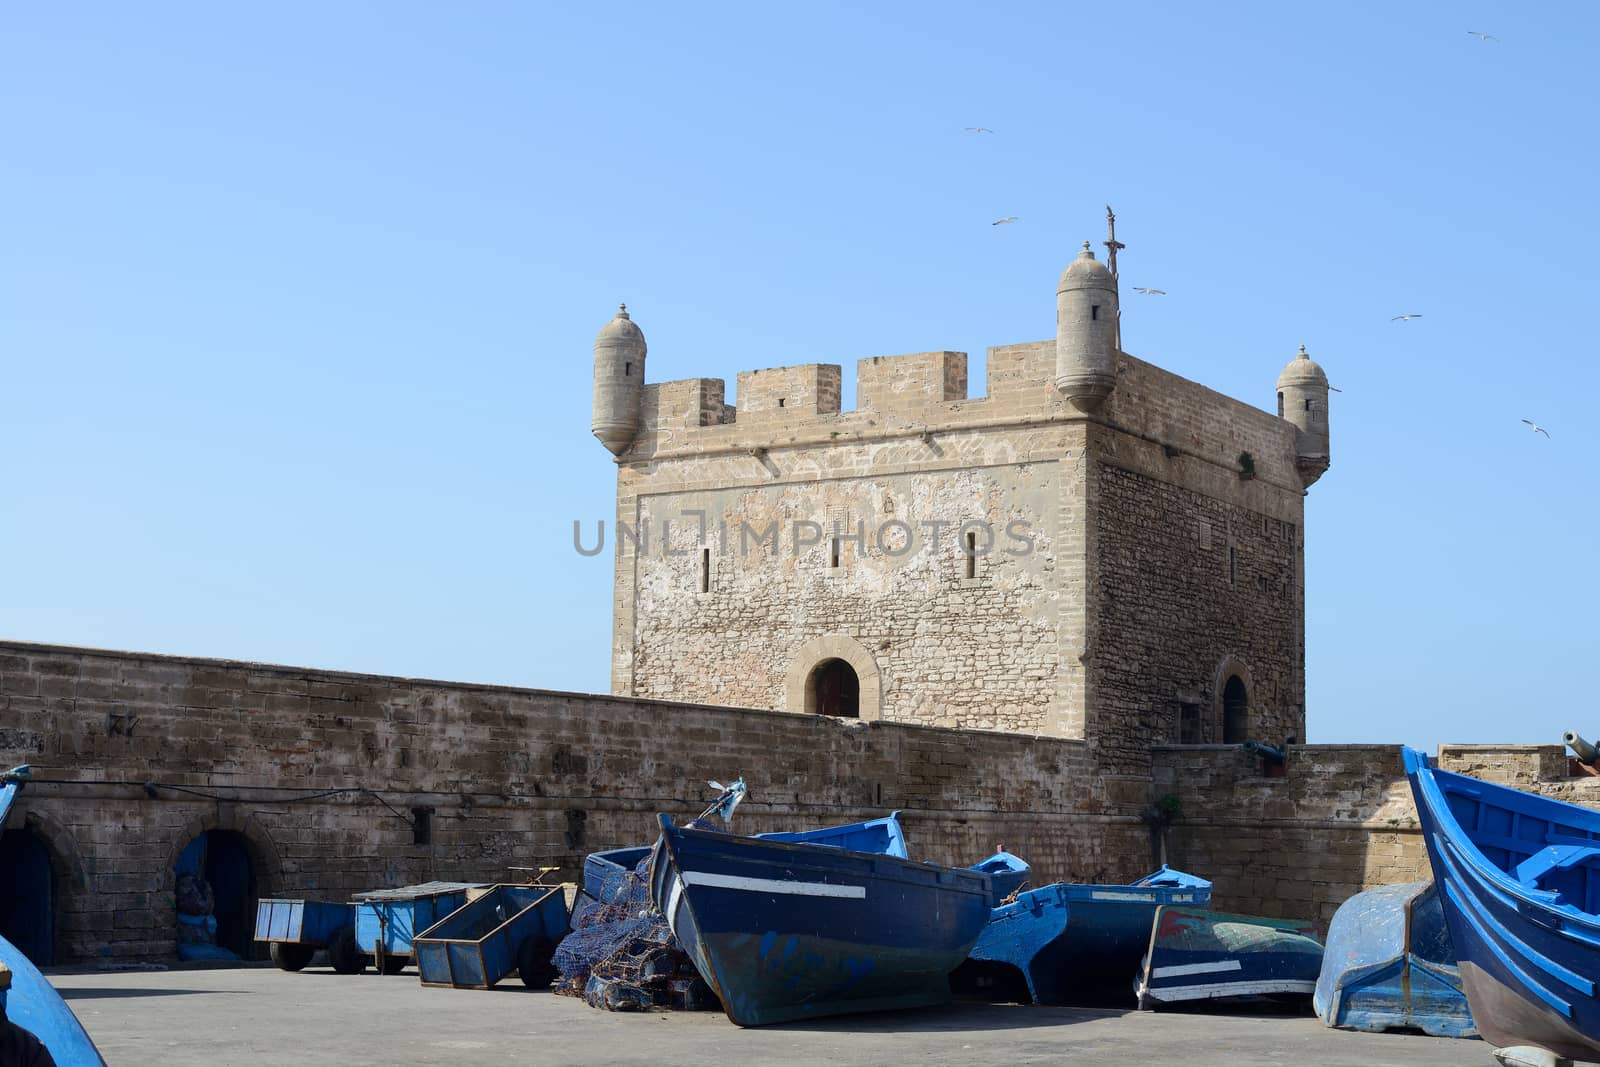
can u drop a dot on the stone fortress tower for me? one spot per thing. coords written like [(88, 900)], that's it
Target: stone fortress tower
[(1095, 549)]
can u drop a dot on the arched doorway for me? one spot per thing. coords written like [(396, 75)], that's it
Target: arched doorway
[(215, 876), (27, 896), (1235, 712), (833, 688)]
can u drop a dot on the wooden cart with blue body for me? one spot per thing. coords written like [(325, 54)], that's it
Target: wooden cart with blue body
[(295, 928), (511, 927), (387, 920)]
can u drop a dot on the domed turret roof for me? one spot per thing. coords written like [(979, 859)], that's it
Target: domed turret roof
[(1086, 271), (621, 328), (1303, 371)]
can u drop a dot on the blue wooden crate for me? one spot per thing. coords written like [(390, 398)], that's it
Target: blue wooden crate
[(301, 922), (483, 941), (388, 919)]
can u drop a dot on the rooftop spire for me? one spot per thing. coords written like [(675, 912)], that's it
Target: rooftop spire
[(1112, 244)]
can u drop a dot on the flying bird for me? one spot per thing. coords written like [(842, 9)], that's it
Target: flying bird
[(1536, 427), (1002, 222), (978, 129), (1404, 318), (1335, 388), (1482, 36), (1149, 292)]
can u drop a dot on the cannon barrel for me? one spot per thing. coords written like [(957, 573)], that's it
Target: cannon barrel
[(1586, 752), (1266, 752)]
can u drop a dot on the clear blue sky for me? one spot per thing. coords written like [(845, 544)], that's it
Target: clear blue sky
[(297, 300)]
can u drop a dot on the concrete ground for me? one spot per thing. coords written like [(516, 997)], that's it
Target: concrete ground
[(258, 1015)]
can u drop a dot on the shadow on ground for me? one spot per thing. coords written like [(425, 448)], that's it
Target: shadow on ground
[(119, 992)]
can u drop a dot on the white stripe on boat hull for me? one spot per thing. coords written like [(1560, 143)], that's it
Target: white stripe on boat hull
[(1225, 989), (1178, 970), (1108, 894), (672, 904), (770, 885)]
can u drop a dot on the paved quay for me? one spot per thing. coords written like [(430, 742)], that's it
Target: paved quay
[(259, 1015)]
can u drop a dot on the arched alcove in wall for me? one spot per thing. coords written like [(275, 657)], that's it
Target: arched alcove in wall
[(834, 676)]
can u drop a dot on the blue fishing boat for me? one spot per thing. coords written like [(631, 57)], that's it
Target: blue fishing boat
[(1389, 965), (605, 873), (1196, 954), (1074, 942), (1009, 872), (27, 999), (784, 931), (1520, 881)]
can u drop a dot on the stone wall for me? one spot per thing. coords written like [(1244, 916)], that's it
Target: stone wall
[(320, 772), (1340, 819), (1190, 590), (1296, 846)]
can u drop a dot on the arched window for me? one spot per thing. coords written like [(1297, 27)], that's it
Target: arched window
[(1235, 712), (832, 688)]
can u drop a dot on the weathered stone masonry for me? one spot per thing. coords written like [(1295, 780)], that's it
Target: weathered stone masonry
[(1129, 560), (515, 777), (528, 777)]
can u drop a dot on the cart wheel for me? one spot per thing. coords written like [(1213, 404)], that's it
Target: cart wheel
[(395, 964), (534, 964), (290, 956), (343, 952)]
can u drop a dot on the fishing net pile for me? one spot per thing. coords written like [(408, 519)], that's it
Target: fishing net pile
[(620, 954)]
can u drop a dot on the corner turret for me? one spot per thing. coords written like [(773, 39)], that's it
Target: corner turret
[(618, 382), (1303, 401), (1086, 325)]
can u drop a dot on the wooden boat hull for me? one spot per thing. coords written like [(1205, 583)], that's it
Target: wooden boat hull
[(1390, 965), (1520, 881), (784, 931), (1076, 942), (1204, 955), (33, 1004)]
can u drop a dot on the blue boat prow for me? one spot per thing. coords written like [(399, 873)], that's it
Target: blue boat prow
[(33, 1004), (1520, 881), (1390, 965), (1074, 942), (784, 931), (1010, 873)]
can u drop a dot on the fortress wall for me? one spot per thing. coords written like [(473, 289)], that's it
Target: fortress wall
[(531, 777), (1150, 402), (1187, 589), (1340, 820), (900, 592), (515, 777)]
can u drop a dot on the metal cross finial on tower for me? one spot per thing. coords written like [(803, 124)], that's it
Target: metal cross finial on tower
[(1112, 244)]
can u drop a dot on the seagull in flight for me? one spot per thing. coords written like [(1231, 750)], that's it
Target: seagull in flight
[(978, 129), (1149, 292), (1536, 427), (1482, 36), (1002, 222), (1404, 318)]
